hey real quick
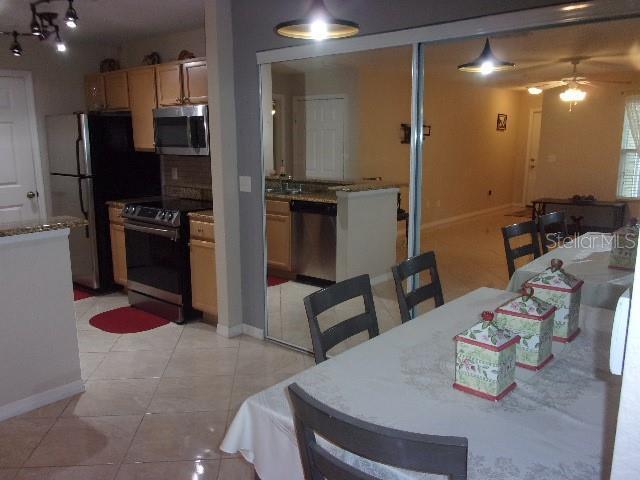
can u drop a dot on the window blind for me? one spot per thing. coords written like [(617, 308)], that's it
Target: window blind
[(629, 168)]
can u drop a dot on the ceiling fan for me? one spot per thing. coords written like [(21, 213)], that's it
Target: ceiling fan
[(573, 82)]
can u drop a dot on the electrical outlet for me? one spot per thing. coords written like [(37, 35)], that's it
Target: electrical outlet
[(174, 173)]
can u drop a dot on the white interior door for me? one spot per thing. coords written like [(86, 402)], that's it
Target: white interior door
[(320, 136), (533, 147), (18, 193)]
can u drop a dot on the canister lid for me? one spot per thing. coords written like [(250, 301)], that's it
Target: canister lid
[(555, 278), (527, 306), (487, 335)]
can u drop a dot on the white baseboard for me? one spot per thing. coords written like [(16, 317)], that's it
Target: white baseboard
[(457, 218), (41, 399), (252, 331), (241, 329), (381, 278)]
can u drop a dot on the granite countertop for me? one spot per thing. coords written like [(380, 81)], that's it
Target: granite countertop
[(202, 216), (41, 225), (326, 196)]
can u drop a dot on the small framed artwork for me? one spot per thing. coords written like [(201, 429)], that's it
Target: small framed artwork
[(501, 124)]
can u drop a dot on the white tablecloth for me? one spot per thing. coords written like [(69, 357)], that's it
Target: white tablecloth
[(587, 257), (558, 423)]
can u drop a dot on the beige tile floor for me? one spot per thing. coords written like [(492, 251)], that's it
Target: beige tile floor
[(157, 403), (469, 254)]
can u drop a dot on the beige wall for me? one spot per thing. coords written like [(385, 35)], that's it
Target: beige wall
[(579, 150), (168, 46), (465, 156)]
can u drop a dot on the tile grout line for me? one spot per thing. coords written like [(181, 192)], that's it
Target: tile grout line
[(133, 437)]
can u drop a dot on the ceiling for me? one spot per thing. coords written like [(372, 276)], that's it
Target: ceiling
[(606, 50), (111, 21)]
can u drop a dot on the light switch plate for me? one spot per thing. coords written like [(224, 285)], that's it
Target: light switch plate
[(245, 183), (174, 173)]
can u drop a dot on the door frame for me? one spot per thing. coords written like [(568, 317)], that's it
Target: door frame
[(527, 178), (296, 112), (282, 129), (36, 156)]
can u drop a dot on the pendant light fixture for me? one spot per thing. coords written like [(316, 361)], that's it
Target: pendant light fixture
[(486, 63), (15, 47), (71, 17), (317, 24)]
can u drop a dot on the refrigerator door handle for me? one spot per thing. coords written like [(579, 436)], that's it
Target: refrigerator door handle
[(78, 141), (83, 208)]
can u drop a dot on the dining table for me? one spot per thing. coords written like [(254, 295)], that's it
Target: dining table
[(558, 423), (587, 258)]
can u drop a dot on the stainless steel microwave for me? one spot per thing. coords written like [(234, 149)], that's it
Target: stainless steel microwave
[(182, 130)]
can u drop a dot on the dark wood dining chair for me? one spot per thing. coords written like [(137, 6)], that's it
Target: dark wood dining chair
[(321, 301), (410, 451), (516, 230), (408, 300), (553, 229)]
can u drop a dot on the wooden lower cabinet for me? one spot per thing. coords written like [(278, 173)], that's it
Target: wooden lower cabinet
[(202, 250), (118, 254), (204, 288), (279, 235)]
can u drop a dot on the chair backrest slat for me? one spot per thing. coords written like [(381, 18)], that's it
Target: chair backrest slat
[(444, 455), (553, 228), (414, 266), (321, 301), (516, 230)]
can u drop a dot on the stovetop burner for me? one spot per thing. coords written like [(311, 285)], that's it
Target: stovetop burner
[(165, 211)]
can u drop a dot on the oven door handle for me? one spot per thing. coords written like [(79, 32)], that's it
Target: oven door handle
[(172, 234)]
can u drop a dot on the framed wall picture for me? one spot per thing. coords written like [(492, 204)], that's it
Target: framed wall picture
[(501, 124)]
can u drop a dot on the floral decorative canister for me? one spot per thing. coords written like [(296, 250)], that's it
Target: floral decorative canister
[(532, 319), (486, 360), (562, 290), (624, 247)]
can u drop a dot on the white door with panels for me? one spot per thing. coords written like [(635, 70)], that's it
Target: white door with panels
[(533, 147), (319, 128), (18, 185)]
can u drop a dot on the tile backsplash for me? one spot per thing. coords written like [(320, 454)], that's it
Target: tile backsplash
[(186, 177)]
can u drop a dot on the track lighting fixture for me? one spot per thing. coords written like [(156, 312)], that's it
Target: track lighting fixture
[(15, 48), (71, 17), (44, 25)]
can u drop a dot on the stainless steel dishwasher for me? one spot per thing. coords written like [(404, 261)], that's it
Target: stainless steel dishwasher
[(314, 239)]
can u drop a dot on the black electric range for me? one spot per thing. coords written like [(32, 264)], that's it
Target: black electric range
[(157, 245)]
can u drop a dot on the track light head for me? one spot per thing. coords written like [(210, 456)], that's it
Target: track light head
[(15, 48)]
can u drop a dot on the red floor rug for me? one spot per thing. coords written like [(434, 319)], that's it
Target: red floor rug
[(127, 320), (80, 293), (272, 280)]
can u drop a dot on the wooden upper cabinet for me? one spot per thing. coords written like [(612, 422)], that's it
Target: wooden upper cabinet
[(169, 83), (116, 90), (142, 100), (195, 85), (94, 92)]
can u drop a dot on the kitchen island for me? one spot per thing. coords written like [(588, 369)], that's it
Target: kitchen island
[(39, 363), (329, 230)]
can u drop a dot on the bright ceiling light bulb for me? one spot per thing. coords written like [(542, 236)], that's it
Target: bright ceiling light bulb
[(319, 29), (534, 90), (487, 67), (60, 46), (71, 17), (573, 94)]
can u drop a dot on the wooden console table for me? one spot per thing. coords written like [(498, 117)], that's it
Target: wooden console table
[(582, 217)]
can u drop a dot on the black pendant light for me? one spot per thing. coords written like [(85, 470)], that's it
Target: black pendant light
[(15, 47), (486, 63), (317, 24), (71, 17)]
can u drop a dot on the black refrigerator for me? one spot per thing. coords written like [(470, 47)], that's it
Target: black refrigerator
[(92, 160)]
